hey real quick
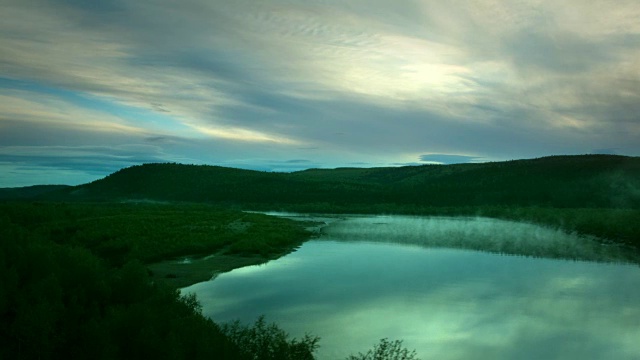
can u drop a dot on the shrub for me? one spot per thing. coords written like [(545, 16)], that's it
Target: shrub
[(264, 341), (386, 350)]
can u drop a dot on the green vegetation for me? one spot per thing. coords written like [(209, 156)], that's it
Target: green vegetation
[(386, 350), (615, 226), (73, 282), (264, 341), (590, 181), (119, 233), (590, 194), (97, 280), (63, 302), (29, 192)]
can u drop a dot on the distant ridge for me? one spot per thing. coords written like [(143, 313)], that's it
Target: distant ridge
[(581, 181), (29, 192)]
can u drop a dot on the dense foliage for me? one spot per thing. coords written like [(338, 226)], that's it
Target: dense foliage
[(28, 192), (590, 181), (386, 350), (264, 341), (62, 302), (591, 194), (146, 232), (73, 285), (63, 296)]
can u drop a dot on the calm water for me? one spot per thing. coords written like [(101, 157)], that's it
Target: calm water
[(397, 279)]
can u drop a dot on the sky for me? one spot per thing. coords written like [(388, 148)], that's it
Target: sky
[(88, 87)]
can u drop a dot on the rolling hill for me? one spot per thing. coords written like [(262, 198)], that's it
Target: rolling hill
[(585, 181)]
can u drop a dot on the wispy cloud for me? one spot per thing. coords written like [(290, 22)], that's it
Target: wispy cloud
[(397, 79), (448, 159)]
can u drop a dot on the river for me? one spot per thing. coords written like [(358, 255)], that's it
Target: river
[(426, 282)]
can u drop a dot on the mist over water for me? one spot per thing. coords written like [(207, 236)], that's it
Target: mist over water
[(367, 278), (476, 233)]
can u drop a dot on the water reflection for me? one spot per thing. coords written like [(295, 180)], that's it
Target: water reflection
[(445, 303)]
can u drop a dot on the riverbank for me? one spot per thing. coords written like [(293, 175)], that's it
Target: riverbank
[(613, 226), (188, 270), (179, 273), (214, 240), (152, 233), (371, 277), (602, 235), (75, 283)]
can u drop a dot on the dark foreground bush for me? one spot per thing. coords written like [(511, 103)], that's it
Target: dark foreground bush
[(264, 341), (59, 302), (386, 350)]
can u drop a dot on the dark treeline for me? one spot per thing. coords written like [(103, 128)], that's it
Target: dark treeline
[(589, 181), (28, 192)]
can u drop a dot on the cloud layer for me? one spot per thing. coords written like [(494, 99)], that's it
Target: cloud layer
[(333, 83)]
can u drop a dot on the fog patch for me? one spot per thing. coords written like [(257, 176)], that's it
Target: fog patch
[(448, 158), (477, 233)]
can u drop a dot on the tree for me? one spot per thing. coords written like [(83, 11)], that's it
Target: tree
[(386, 350), (264, 341)]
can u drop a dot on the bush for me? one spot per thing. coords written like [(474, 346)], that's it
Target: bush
[(386, 350), (264, 341)]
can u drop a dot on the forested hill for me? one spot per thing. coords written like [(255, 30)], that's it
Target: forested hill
[(602, 181), (28, 192)]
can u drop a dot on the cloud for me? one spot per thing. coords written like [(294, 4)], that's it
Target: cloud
[(396, 78), (272, 165), (610, 151), (93, 159), (448, 158), (73, 165), (297, 161)]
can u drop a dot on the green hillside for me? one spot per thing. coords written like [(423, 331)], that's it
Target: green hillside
[(590, 194), (588, 181)]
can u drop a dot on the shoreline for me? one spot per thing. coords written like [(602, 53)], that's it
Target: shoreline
[(188, 270)]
